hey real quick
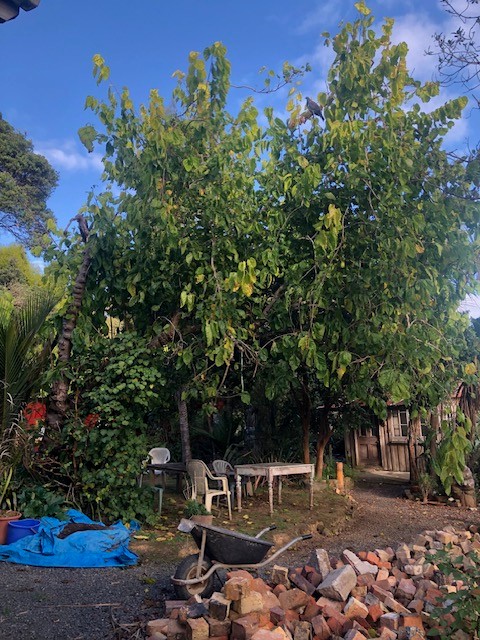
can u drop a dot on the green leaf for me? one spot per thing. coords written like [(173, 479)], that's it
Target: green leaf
[(87, 136), (245, 397)]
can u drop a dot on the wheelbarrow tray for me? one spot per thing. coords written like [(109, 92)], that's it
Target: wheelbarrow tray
[(230, 547)]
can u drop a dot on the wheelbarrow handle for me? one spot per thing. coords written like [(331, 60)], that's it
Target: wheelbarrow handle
[(270, 528), (307, 536)]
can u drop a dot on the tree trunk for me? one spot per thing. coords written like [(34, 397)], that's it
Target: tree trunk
[(183, 423), (435, 428), (414, 430), (323, 436), (306, 418), (304, 405), (58, 398), (470, 404)]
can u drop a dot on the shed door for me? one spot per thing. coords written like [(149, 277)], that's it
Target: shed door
[(368, 446)]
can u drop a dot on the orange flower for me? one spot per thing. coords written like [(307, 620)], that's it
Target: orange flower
[(34, 412), (91, 421)]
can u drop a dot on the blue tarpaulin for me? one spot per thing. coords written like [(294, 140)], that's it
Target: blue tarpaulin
[(106, 547)]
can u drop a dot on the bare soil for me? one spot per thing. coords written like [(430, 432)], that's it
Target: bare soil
[(107, 604)]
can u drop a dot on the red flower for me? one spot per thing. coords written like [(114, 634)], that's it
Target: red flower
[(91, 420), (34, 412)]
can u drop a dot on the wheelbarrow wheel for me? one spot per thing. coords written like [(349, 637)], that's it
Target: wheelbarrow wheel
[(187, 570)]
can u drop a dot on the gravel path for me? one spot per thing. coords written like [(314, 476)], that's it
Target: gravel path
[(57, 604)]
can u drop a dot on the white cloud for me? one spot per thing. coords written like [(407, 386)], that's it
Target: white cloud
[(321, 17), (417, 29), (66, 155), (472, 305)]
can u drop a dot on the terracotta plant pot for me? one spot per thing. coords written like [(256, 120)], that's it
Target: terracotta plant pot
[(202, 519), (5, 518)]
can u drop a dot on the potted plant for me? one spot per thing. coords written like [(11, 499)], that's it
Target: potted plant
[(197, 512)]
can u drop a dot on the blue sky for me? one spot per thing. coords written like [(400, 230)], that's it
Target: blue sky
[(46, 55)]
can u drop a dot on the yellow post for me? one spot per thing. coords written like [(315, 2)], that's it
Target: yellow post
[(340, 477)]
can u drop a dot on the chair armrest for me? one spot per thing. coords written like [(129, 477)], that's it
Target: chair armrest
[(222, 479)]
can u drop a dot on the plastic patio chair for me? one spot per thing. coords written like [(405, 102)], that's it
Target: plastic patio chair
[(200, 475), (222, 468), (157, 455)]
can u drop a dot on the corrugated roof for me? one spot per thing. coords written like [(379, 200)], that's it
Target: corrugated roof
[(9, 9)]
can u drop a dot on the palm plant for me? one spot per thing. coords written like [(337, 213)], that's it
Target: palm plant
[(20, 365)]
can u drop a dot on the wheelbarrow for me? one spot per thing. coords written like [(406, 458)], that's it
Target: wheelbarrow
[(221, 549)]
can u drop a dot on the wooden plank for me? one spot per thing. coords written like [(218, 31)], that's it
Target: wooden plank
[(383, 446)]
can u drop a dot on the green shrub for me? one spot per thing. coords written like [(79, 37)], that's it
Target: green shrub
[(194, 508), (38, 501), (119, 382), (464, 605)]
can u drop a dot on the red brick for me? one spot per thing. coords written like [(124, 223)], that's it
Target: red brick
[(311, 610), (384, 584), (261, 586), (415, 605), (275, 633), (277, 615), (411, 620), (365, 580), (197, 629), (390, 621), (159, 625), (353, 634), (218, 627), (320, 628), (175, 631), (372, 558), (323, 602), (355, 609), (381, 594), (394, 605), (375, 611), (270, 600), (293, 599), (237, 587), (239, 573), (433, 596), (244, 628)]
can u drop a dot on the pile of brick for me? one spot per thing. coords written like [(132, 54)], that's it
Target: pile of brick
[(382, 594)]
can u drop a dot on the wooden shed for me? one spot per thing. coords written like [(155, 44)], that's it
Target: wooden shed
[(385, 444)]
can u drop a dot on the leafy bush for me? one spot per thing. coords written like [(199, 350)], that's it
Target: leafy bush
[(194, 508), (450, 461), (104, 443), (459, 611), (38, 501)]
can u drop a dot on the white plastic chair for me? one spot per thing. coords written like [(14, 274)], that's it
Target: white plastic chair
[(200, 475), (157, 455), (222, 468)]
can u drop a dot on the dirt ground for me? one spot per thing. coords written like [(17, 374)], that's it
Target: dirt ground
[(107, 604)]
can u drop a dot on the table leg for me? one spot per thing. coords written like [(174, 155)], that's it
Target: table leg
[(279, 489), (311, 489), (238, 480), (270, 492)]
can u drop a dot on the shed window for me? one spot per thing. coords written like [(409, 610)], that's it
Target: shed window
[(398, 420)]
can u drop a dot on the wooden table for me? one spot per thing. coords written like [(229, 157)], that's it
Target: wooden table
[(270, 470)]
